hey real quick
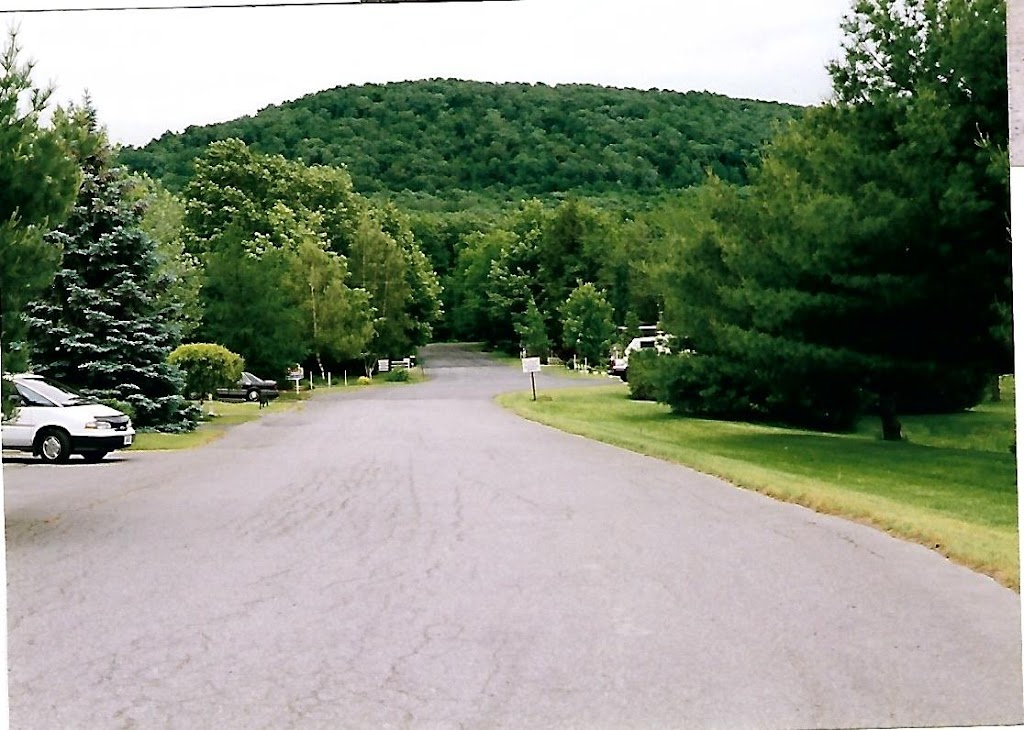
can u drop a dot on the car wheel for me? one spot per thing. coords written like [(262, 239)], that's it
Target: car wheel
[(54, 446), (252, 396), (93, 456)]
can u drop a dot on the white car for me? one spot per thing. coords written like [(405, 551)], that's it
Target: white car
[(52, 421)]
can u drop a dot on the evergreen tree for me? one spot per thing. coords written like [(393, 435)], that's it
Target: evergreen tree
[(98, 326), (37, 187), (866, 267)]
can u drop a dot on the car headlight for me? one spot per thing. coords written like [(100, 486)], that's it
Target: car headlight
[(101, 425)]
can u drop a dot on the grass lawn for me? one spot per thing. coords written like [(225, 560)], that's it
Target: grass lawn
[(951, 485), (220, 415)]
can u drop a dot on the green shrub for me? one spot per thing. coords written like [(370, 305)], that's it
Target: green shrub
[(119, 405), (9, 398), (206, 367), (397, 376), (722, 387), (643, 374), (935, 389), (363, 380)]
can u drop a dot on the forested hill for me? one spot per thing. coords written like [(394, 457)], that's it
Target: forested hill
[(439, 136)]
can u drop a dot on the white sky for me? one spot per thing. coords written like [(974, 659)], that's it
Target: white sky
[(153, 71)]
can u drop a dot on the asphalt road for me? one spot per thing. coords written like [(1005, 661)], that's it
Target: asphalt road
[(416, 557)]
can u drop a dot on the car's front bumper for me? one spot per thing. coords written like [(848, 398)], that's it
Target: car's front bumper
[(117, 440)]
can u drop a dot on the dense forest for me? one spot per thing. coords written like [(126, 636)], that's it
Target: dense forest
[(504, 140)]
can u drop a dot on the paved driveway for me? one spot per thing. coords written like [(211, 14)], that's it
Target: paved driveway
[(418, 557)]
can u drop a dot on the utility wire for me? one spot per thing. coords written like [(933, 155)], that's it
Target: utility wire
[(218, 6)]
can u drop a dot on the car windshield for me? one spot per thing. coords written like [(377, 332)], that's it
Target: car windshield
[(58, 393)]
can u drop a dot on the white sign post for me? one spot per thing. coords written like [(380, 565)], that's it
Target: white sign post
[(531, 365)]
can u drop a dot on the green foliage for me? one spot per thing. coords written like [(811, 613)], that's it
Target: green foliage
[(647, 374), (246, 307), (206, 366), (926, 88), (587, 327), (38, 182), (9, 398), (564, 251), (178, 272), (400, 375), (467, 301), (347, 279), (492, 256), (378, 266), (339, 322), (539, 253), (630, 328), (98, 326), (441, 234), (119, 405), (442, 137), (533, 332), (824, 287)]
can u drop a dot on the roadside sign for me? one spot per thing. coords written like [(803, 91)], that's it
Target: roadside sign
[(383, 366), (296, 373), (531, 365)]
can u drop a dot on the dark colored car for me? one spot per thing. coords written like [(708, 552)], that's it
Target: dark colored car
[(249, 388)]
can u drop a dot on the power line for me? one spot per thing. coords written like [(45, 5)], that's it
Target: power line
[(220, 6)]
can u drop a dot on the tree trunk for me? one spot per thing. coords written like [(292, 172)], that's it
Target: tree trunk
[(892, 429)]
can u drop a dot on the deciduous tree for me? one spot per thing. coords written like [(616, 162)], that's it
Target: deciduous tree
[(587, 326)]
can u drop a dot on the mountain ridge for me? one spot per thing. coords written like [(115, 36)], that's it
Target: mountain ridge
[(437, 136)]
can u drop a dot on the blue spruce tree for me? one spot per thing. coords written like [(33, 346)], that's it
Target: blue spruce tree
[(99, 327)]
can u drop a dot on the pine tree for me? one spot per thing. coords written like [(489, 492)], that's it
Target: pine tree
[(37, 187), (867, 266), (98, 327)]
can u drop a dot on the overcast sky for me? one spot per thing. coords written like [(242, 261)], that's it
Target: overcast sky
[(153, 71)]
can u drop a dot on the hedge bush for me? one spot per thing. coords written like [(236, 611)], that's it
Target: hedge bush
[(206, 366)]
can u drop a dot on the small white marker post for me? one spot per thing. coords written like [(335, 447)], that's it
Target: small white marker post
[(531, 365)]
